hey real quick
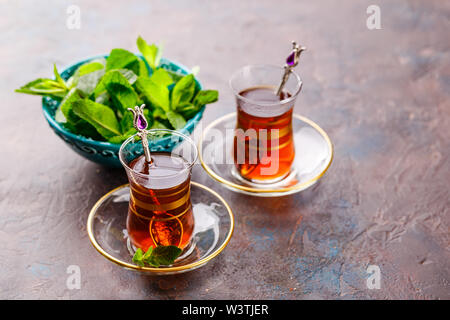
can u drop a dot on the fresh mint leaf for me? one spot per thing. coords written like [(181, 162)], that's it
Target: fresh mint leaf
[(188, 110), (161, 76), (58, 77), (90, 67), (59, 116), (159, 113), (101, 88), (185, 107), (159, 55), (137, 258), (158, 125), (165, 255), (103, 98), (126, 123), (152, 54), (84, 128), (122, 59), (176, 120), (87, 83), (129, 75), (155, 93), (98, 115), (205, 96), (160, 255), (176, 76), (44, 87), (120, 91), (120, 139), (67, 103), (143, 70), (84, 69), (148, 254), (183, 91)]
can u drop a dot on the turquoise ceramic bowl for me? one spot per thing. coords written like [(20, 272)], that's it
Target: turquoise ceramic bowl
[(104, 153)]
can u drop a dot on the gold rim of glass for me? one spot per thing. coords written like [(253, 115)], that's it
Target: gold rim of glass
[(256, 190), (90, 224)]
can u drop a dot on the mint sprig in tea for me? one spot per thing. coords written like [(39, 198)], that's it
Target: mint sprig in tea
[(161, 255)]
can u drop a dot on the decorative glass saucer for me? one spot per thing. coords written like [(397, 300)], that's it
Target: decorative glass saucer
[(214, 224), (313, 156)]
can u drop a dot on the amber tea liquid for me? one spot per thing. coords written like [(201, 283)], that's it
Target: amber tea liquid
[(272, 151), (160, 214)]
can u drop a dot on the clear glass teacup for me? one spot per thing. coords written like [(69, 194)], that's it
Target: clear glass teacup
[(160, 209), (263, 149)]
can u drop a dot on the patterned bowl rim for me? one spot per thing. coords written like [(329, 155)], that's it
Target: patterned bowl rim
[(191, 123)]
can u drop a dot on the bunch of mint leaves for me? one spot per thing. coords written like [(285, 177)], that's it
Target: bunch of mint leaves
[(154, 257), (94, 100)]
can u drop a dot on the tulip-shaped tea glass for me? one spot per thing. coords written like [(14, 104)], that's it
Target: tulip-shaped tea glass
[(160, 209), (263, 150)]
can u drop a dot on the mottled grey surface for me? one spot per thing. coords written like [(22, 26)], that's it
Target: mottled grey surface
[(382, 95)]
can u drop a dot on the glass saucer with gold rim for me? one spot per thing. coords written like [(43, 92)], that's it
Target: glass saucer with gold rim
[(313, 156), (214, 224)]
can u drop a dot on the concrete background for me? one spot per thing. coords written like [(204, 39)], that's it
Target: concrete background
[(382, 96)]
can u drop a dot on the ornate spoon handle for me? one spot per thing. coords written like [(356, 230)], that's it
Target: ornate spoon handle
[(291, 63), (140, 124)]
